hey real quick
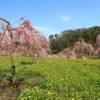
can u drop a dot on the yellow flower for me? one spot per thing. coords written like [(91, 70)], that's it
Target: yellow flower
[(49, 92), (98, 99), (62, 79), (72, 99)]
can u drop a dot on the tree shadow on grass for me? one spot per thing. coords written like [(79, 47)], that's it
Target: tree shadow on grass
[(26, 63)]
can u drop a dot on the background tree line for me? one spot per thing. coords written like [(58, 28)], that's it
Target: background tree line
[(68, 38)]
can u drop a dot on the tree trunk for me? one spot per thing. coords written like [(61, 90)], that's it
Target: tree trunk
[(13, 70), (32, 56)]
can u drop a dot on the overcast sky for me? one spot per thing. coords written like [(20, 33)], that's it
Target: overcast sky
[(52, 16)]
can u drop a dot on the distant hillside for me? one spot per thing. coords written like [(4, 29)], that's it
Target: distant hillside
[(68, 38)]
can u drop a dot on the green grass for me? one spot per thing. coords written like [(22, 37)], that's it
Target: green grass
[(63, 79)]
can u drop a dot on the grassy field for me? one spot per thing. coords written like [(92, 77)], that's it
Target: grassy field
[(52, 79)]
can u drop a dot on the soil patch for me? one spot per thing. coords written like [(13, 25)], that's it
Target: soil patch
[(37, 79), (10, 90)]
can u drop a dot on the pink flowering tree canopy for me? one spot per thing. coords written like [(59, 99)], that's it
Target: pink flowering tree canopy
[(98, 45), (98, 40), (25, 38)]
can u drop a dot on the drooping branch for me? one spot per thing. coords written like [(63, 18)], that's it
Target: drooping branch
[(5, 21)]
